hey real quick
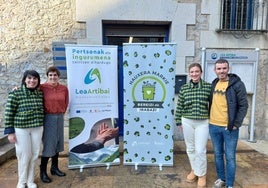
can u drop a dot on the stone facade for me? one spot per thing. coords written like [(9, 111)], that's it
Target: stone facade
[(28, 28)]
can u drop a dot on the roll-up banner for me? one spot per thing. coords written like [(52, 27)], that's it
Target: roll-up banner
[(149, 80), (93, 115)]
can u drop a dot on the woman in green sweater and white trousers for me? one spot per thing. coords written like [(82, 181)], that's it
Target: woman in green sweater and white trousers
[(192, 118), (24, 117)]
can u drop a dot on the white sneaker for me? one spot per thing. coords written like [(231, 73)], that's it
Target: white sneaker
[(31, 185), (219, 183), (20, 185)]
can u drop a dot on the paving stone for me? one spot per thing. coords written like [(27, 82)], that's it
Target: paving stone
[(252, 172)]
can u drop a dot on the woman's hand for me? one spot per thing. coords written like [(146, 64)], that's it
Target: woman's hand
[(12, 138)]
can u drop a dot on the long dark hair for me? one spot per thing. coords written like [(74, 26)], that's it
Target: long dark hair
[(31, 73)]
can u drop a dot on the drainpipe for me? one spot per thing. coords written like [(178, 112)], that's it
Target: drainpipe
[(203, 62), (251, 132)]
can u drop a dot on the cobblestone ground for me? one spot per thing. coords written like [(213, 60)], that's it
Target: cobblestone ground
[(252, 172)]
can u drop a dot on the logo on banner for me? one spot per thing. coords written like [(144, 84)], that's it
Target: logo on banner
[(92, 75), (148, 94), (148, 90)]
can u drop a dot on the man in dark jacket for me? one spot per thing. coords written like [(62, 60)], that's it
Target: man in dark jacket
[(228, 108)]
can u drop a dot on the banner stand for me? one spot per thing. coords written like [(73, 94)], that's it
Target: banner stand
[(107, 166), (93, 108), (149, 88)]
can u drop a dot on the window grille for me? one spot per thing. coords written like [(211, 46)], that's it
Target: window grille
[(244, 16)]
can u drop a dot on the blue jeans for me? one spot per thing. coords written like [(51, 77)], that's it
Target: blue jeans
[(224, 145)]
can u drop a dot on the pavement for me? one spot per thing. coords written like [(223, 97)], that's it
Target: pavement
[(252, 171)]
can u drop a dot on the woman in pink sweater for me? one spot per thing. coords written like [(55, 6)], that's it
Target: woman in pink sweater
[(56, 99)]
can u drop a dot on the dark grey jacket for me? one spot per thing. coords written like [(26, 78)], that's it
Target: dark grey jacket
[(237, 103)]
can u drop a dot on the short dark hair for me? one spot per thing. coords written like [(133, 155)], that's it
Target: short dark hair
[(31, 73), (195, 65), (53, 69), (219, 61)]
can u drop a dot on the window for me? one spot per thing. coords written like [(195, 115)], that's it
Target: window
[(117, 34), (244, 15)]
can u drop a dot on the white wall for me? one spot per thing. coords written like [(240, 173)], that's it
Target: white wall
[(93, 12)]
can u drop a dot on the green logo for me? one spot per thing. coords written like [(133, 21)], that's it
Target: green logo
[(148, 90), (92, 75)]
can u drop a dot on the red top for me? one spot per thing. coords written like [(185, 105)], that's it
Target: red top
[(56, 98)]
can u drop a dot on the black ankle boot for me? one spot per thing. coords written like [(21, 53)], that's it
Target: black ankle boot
[(43, 175), (56, 171), (54, 166)]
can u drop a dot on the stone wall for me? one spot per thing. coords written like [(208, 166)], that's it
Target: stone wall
[(261, 108), (28, 28)]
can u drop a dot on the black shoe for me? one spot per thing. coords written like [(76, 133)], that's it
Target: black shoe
[(43, 176), (56, 171)]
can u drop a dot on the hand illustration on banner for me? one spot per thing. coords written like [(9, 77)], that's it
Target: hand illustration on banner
[(106, 133), (103, 134)]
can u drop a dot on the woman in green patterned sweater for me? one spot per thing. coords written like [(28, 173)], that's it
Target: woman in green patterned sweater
[(24, 125), (192, 118)]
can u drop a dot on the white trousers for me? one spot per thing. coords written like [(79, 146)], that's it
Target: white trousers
[(196, 136), (27, 151)]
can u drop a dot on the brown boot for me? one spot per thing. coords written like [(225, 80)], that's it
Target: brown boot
[(202, 181), (191, 177)]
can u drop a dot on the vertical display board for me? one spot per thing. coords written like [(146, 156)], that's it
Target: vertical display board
[(93, 91), (242, 62), (149, 80)]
